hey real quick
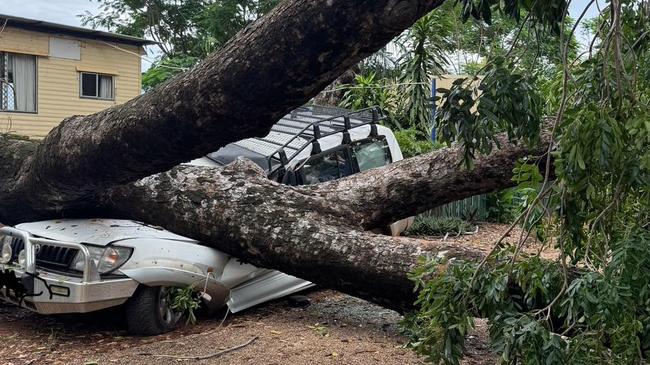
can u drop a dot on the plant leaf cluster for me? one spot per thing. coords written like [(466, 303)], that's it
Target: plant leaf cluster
[(590, 305)]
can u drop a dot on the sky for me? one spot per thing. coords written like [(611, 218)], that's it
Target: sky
[(55, 11), (66, 11)]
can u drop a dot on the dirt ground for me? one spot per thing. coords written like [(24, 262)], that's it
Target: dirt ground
[(334, 329)]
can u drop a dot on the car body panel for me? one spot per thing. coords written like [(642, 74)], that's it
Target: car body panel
[(270, 285), (98, 232), (155, 261)]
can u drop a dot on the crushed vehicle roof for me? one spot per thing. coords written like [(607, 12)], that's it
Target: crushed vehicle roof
[(97, 231)]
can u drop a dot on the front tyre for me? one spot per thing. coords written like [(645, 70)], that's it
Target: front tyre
[(149, 311)]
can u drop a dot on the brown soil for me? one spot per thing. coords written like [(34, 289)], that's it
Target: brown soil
[(334, 329)]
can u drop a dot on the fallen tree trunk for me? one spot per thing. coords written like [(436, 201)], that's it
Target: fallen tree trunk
[(239, 211), (317, 232), (273, 66)]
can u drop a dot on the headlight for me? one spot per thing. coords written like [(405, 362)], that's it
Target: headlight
[(7, 251), (106, 259), (22, 260), (113, 258)]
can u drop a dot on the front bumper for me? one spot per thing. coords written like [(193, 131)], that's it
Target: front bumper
[(47, 292)]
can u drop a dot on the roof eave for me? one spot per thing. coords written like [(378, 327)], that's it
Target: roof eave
[(47, 27)]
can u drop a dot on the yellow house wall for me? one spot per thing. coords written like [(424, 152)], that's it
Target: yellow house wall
[(446, 82), (58, 79)]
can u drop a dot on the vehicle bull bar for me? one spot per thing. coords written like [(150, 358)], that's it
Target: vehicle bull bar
[(90, 272)]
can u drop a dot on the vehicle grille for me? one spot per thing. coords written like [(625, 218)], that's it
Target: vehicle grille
[(47, 256), (16, 246)]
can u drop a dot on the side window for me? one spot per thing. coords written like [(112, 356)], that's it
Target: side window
[(96, 86), (372, 154), (17, 82), (326, 167)]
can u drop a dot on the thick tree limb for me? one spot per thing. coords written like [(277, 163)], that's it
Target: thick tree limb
[(318, 232), (315, 232), (276, 64), (419, 184), (238, 210)]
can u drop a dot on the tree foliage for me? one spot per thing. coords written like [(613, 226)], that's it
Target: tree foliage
[(186, 31), (423, 47), (590, 305)]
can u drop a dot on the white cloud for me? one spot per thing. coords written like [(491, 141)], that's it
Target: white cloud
[(577, 6), (59, 11)]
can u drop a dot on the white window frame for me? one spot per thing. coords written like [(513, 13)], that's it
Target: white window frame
[(4, 57), (97, 97)]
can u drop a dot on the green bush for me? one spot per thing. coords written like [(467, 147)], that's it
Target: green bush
[(411, 143), (426, 225), (367, 91), (505, 206)]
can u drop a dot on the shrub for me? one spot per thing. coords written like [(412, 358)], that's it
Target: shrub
[(411, 143)]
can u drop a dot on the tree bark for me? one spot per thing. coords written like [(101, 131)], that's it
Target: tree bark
[(333, 94), (319, 232), (276, 64), (241, 212), (418, 184)]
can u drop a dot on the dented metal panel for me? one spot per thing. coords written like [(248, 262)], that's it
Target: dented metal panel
[(271, 285), (97, 231)]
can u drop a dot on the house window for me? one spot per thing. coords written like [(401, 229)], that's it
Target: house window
[(17, 82), (96, 86)]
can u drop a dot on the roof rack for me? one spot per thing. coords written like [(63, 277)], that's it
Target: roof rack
[(303, 127), (294, 133)]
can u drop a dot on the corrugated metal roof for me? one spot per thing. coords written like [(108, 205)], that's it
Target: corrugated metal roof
[(47, 27)]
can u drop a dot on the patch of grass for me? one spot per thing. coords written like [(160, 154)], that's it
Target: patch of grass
[(436, 226)]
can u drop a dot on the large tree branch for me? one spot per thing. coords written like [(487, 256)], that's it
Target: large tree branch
[(318, 232), (314, 232), (415, 185), (239, 211), (269, 68)]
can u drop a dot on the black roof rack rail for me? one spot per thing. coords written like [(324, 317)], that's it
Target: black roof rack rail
[(296, 131), (336, 120)]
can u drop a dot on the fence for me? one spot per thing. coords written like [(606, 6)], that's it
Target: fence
[(473, 208)]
